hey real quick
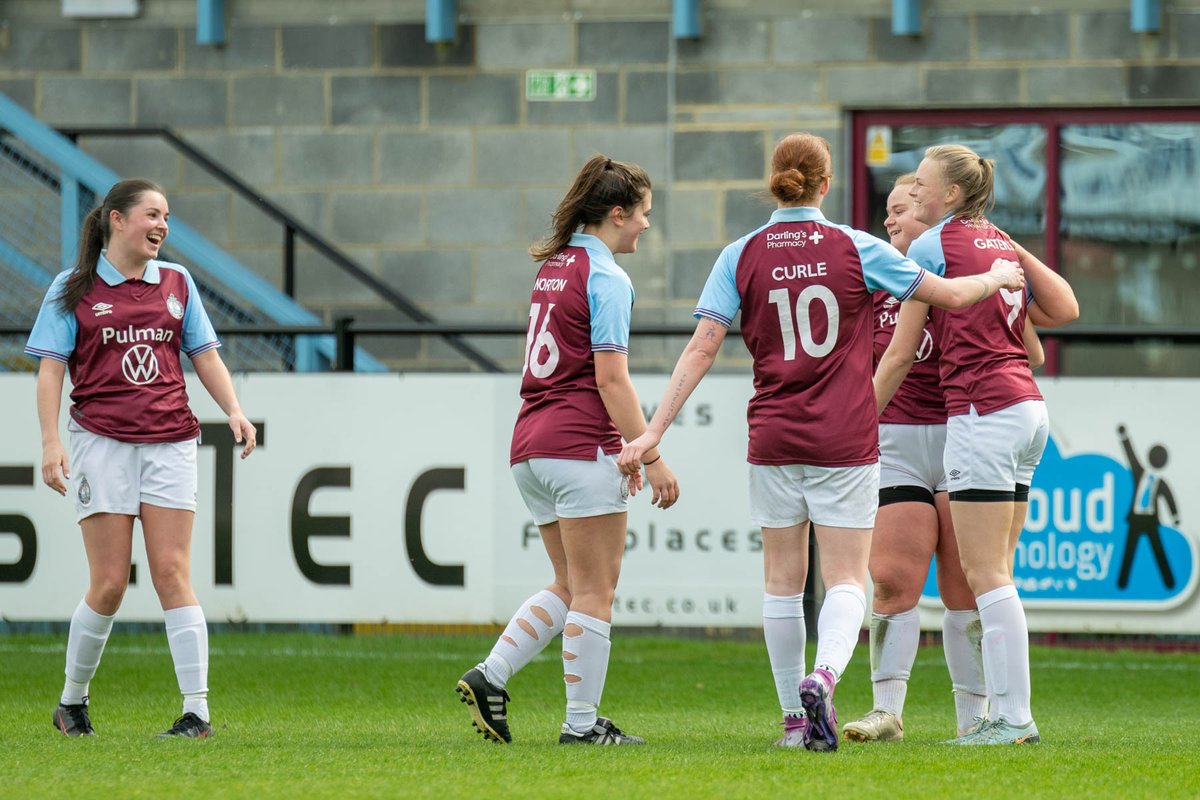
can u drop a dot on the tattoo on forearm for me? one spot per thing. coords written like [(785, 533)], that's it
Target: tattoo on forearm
[(673, 404)]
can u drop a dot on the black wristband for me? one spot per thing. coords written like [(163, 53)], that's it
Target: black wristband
[(655, 461)]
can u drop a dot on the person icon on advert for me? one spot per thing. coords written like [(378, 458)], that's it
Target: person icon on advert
[(1148, 489)]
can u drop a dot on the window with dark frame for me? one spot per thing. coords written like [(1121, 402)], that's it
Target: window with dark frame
[(1108, 197)]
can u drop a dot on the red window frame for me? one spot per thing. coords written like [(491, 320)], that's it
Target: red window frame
[(1050, 119)]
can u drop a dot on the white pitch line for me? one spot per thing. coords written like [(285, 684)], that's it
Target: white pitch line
[(273, 652), (401, 655)]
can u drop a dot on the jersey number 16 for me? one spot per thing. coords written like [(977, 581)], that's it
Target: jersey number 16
[(536, 343)]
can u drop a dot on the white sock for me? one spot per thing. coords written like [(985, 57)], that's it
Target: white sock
[(784, 631), (516, 647), (187, 636), (590, 664), (962, 641), (838, 625), (85, 644), (894, 641), (1006, 654)]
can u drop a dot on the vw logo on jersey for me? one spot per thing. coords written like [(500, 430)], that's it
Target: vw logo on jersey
[(140, 365), (174, 306)]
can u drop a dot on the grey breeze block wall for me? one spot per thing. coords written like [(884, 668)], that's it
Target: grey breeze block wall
[(429, 167)]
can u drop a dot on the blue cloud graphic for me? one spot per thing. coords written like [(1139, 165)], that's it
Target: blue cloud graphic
[(1075, 537)]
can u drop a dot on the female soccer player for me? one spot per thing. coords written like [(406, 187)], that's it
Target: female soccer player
[(118, 321), (579, 403), (914, 522), (803, 285), (997, 426)]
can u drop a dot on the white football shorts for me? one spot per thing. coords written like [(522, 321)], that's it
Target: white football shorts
[(564, 488), (912, 455), (112, 477), (996, 451), (841, 497)]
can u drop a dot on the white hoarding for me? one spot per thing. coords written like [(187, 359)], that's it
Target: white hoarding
[(388, 498)]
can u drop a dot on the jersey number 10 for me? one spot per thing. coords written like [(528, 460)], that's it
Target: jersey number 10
[(781, 299)]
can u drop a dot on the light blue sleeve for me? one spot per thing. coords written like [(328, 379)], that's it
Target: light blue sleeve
[(198, 334), (610, 296), (720, 299), (884, 267), (927, 251), (54, 331)]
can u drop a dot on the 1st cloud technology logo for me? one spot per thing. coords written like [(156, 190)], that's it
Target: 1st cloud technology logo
[(1103, 532)]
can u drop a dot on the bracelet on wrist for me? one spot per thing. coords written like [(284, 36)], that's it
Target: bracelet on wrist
[(655, 461)]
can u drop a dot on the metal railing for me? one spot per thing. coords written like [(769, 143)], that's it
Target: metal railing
[(293, 229), (346, 332)]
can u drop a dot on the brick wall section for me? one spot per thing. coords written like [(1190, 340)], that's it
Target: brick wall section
[(428, 166)]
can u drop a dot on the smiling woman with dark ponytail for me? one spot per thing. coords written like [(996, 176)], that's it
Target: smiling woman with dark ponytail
[(578, 404), (118, 321), (123, 196)]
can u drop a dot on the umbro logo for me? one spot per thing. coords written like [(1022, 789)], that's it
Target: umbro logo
[(102, 308), (955, 474)]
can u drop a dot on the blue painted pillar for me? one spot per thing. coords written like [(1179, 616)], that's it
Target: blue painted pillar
[(439, 21), (308, 356), (906, 17), (686, 19), (210, 21), (1145, 16), (68, 212)]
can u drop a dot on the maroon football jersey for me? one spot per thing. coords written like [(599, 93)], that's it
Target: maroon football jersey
[(581, 303), (127, 379), (806, 318), (919, 399), (984, 362)]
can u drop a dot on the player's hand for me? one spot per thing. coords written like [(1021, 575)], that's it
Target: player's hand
[(56, 470), (1008, 274), (662, 481), (243, 430), (630, 460), (634, 482)]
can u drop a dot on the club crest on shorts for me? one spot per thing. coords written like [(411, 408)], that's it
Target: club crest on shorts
[(174, 306), (624, 483), (85, 492)]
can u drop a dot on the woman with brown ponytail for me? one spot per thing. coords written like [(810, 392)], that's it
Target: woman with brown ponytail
[(118, 321), (804, 288), (578, 404)]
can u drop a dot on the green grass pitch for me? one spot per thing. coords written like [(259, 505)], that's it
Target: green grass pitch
[(314, 716)]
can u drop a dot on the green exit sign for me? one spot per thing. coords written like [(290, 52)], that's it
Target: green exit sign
[(560, 84)]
